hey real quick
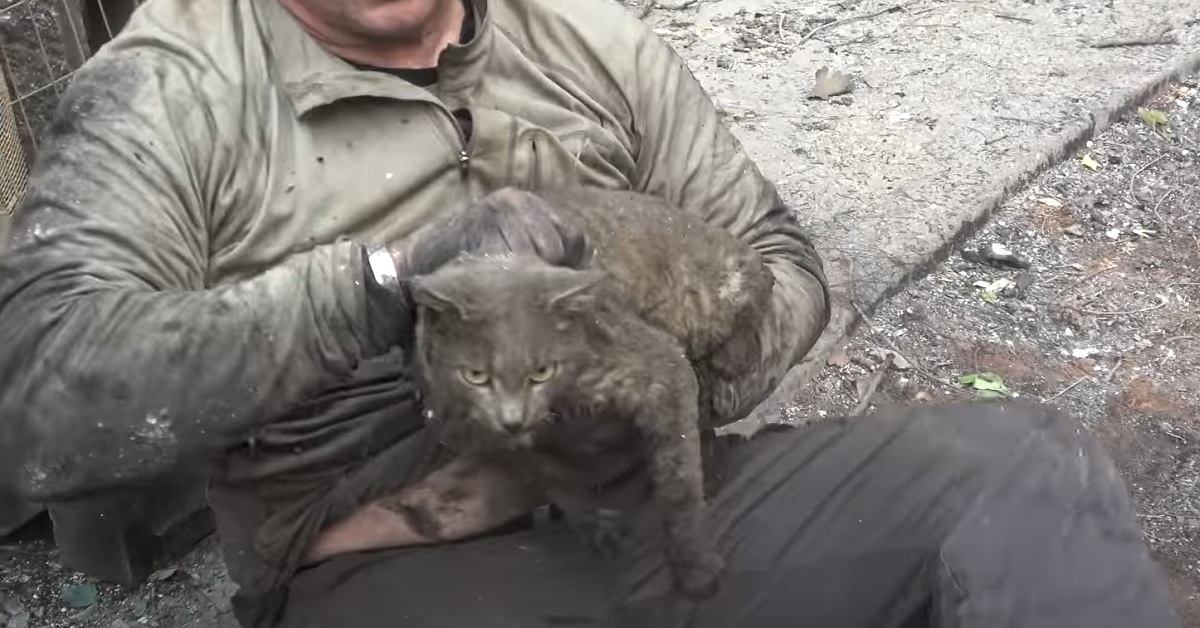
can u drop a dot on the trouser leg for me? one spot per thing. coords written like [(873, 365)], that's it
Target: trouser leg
[(966, 516)]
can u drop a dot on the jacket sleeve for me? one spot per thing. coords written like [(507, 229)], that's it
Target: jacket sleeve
[(119, 361), (686, 155)]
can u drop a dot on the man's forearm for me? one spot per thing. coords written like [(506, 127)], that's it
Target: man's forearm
[(106, 383), (464, 498)]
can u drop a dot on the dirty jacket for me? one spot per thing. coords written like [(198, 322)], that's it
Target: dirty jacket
[(183, 288)]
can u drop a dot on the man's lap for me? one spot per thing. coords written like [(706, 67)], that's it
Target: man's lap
[(844, 523)]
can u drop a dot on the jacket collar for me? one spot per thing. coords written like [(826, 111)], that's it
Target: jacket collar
[(312, 77)]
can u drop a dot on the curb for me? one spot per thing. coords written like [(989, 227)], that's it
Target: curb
[(845, 320)]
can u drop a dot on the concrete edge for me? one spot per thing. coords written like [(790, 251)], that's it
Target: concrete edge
[(846, 319)]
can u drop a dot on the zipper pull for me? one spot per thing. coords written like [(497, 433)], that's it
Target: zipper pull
[(464, 160)]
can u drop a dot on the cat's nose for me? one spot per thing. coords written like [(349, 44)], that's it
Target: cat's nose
[(512, 418)]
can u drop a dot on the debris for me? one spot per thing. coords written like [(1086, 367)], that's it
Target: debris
[(1089, 163), (1084, 353), (854, 18), (79, 595), (898, 361), (1050, 202), (1074, 230), (864, 401), (1162, 38), (162, 574), (1113, 234), (991, 290), (838, 360), (830, 83), (997, 255), (986, 385), (1153, 117)]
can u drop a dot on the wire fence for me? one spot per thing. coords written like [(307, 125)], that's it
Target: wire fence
[(42, 43)]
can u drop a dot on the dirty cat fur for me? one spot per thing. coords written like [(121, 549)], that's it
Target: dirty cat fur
[(559, 373)]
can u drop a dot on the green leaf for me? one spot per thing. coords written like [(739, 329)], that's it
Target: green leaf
[(986, 385), (1153, 117), (1089, 163), (79, 595)]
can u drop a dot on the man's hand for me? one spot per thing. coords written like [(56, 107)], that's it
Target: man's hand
[(505, 221), (462, 499)]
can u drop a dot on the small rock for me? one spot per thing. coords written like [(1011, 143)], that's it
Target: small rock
[(838, 360), (1074, 230), (13, 606), (921, 397), (918, 312), (1194, 524)]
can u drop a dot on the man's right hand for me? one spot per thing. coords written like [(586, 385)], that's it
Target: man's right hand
[(505, 221)]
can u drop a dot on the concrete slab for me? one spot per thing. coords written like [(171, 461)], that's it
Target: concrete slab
[(956, 105)]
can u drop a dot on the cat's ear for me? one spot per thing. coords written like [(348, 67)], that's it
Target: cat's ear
[(574, 289), (438, 296)]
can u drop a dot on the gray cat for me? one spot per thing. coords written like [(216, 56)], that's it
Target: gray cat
[(560, 372)]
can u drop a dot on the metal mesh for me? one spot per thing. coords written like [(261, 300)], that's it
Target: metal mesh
[(42, 43)]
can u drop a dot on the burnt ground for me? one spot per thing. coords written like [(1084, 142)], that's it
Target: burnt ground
[(1105, 321)]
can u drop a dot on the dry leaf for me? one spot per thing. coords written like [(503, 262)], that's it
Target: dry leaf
[(1153, 117), (831, 83), (1050, 202)]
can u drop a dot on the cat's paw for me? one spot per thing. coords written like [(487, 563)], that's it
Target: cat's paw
[(605, 531), (699, 578)]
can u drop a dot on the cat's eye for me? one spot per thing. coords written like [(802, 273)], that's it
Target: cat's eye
[(475, 377), (544, 374)]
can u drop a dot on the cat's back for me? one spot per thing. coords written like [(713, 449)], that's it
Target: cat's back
[(697, 281)]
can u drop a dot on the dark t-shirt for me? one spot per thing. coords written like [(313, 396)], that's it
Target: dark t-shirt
[(426, 77)]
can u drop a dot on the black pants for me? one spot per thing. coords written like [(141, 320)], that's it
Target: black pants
[(972, 516)]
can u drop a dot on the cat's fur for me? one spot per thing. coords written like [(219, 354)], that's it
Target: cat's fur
[(553, 370)]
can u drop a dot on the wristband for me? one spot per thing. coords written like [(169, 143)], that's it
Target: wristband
[(389, 314)]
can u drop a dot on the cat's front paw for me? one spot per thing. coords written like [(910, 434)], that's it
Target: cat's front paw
[(699, 577), (603, 530)]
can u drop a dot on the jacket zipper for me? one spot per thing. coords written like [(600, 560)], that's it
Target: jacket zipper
[(464, 146)]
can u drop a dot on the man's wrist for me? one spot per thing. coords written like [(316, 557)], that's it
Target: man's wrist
[(389, 311)]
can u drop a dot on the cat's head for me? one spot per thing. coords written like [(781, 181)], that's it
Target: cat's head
[(498, 342)]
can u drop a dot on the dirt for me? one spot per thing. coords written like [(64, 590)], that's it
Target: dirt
[(1103, 323)]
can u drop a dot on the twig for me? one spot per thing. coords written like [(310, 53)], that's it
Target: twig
[(873, 385), (847, 20), (1161, 38), (892, 345), (1066, 390), (1108, 378), (1162, 302), (1015, 18), (1079, 282), (1160, 201), (1132, 179), (994, 140), (1177, 339)]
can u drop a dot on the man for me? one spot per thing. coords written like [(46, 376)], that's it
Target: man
[(195, 286)]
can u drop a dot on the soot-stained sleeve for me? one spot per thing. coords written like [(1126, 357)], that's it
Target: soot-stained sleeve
[(686, 155), (119, 360)]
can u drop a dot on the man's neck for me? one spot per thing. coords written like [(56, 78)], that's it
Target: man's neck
[(416, 50)]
